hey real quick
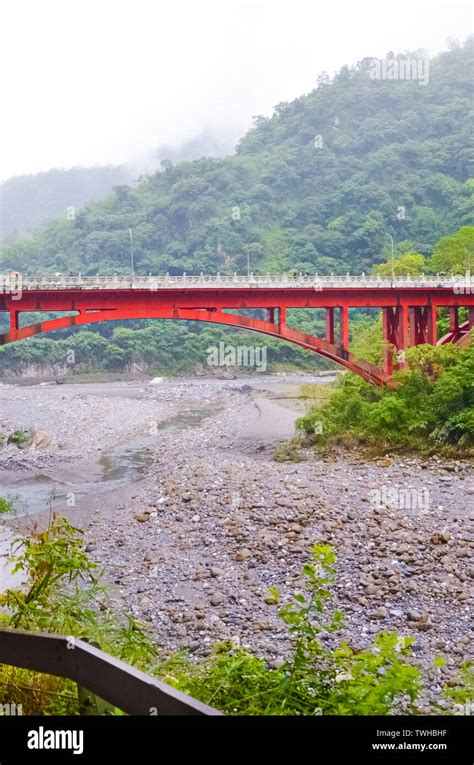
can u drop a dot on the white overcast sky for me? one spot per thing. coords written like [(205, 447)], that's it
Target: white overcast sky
[(100, 81)]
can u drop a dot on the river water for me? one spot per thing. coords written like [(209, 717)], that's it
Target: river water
[(121, 465), (74, 484)]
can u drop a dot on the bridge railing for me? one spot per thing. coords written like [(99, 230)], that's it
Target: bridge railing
[(109, 678), (63, 282)]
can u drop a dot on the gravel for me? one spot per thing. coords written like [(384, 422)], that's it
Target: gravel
[(216, 522)]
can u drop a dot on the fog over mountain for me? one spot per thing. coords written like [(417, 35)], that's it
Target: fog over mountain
[(107, 84), (27, 201)]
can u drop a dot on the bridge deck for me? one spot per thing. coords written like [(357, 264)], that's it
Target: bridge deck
[(63, 282), (409, 307)]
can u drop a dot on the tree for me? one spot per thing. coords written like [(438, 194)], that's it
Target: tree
[(455, 254), (409, 264)]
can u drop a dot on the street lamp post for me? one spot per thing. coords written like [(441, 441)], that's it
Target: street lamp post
[(131, 253), (248, 260), (393, 257)]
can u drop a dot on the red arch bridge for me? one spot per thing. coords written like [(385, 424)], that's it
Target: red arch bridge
[(409, 306)]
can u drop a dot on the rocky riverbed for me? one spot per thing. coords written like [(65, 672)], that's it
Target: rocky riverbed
[(193, 546)]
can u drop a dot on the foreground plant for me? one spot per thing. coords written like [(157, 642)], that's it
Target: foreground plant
[(7, 505), (62, 593), (314, 679)]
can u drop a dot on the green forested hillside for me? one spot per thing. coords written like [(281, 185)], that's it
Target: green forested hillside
[(392, 157), (386, 145)]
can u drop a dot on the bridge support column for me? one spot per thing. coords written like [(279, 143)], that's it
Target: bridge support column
[(395, 335), (344, 327), (403, 326), (14, 319), (388, 337), (423, 324), (282, 317), (271, 315), (471, 318), (432, 334), (412, 326), (454, 318), (330, 325)]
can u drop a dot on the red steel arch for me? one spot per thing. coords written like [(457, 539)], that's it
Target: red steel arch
[(340, 355), (408, 306)]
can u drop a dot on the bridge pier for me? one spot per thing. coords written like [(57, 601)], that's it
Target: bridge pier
[(344, 327), (282, 317), (330, 325), (454, 318), (423, 325), (395, 334), (271, 315), (432, 328), (405, 327), (471, 318), (14, 319)]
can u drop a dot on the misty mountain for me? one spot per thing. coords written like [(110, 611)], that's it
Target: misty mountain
[(315, 187), (27, 201)]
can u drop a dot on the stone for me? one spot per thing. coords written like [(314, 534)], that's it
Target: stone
[(379, 613), (372, 589), (142, 517), (243, 554), (440, 537), (424, 626)]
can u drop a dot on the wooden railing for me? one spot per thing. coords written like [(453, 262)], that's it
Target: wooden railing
[(121, 685)]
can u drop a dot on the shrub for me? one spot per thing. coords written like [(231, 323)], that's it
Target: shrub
[(431, 406), (314, 679), (62, 594), (7, 505)]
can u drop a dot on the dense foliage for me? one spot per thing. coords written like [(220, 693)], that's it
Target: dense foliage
[(386, 144), (431, 407)]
